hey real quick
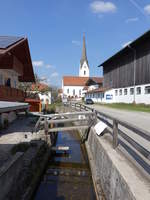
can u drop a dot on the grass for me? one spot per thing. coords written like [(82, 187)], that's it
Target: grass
[(130, 107)]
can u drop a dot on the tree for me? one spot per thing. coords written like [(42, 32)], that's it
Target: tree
[(33, 89)]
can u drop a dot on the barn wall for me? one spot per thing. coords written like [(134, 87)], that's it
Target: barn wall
[(118, 72)]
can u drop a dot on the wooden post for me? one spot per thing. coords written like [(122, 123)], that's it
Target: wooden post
[(115, 134), (46, 128)]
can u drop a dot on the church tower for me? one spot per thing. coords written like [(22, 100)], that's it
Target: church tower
[(84, 66)]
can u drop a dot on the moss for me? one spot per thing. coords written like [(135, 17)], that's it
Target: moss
[(6, 123), (21, 147)]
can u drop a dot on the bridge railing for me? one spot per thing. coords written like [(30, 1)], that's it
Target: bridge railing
[(118, 129)]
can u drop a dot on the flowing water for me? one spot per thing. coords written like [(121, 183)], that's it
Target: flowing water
[(67, 176)]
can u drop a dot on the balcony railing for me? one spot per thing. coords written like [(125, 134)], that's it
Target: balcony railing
[(11, 94)]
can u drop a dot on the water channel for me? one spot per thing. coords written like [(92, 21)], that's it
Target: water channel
[(68, 175)]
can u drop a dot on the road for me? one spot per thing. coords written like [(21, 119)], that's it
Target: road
[(139, 119)]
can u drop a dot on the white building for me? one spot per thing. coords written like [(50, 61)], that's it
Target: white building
[(41, 91), (73, 87)]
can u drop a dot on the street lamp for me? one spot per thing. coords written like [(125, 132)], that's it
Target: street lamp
[(134, 68)]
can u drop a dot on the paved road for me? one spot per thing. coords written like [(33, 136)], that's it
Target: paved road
[(139, 119)]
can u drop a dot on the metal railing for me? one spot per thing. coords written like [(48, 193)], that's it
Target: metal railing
[(140, 154)]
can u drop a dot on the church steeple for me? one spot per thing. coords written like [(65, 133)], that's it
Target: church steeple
[(84, 57), (84, 67)]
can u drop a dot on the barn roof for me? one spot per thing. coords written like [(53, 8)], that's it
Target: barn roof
[(127, 48)]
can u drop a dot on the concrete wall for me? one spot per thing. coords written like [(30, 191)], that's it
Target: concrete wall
[(8, 174), (10, 116), (113, 172)]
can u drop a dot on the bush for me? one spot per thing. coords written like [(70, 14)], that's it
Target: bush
[(51, 109)]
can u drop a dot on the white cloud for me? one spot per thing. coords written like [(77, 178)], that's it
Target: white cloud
[(126, 44), (134, 19), (103, 7), (38, 63), (147, 9), (48, 66), (55, 74), (76, 42)]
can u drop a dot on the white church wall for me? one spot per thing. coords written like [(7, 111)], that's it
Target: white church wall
[(72, 91)]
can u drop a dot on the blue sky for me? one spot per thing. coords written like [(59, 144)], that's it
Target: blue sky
[(55, 29)]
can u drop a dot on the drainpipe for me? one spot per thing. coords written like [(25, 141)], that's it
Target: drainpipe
[(134, 72)]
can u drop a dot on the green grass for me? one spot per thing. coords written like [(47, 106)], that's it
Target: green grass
[(130, 107)]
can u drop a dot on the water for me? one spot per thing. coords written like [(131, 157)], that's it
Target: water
[(67, 176)]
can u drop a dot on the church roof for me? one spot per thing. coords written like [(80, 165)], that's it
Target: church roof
[(80, 81)]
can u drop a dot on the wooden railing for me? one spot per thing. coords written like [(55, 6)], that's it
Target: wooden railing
[(120, 137), (11, 94)]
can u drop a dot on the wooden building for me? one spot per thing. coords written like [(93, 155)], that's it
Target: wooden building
[(15, 67), (127, 73)]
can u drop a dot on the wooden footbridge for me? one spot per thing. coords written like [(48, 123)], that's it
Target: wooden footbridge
[(65, 121)]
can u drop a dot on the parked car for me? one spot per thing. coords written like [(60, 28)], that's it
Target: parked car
[(89, 101)]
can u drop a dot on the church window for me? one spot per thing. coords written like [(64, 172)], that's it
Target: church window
[(68, 90), (79, 92), (84, 72), (73, 91)]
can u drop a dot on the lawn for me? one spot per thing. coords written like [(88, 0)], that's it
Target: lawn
[(131, 107)]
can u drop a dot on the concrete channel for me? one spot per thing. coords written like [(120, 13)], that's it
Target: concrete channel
[(89, 170), (68, 175)]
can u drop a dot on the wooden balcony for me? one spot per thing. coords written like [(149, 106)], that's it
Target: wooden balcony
[(11, 94)]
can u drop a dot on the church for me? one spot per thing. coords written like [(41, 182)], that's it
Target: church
[(75, 87)]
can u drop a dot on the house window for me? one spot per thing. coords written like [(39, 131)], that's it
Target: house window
[(1, 79), (147, 90), (138, 90), (68, 91), (116, 92), (73, 91), (8, 82), (84, 72), (125, 91), (120, 92), (131, 91)]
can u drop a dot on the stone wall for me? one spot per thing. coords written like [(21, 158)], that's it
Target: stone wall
[(20, 176), (112, 171)]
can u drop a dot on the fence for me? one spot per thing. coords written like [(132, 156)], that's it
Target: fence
[(140, 154)]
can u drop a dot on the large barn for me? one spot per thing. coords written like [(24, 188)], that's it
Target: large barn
[(127, 74)]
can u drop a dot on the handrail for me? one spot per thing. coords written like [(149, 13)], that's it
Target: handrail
[(133, 145)]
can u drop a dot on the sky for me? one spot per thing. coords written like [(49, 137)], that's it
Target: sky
[(55, 29)]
